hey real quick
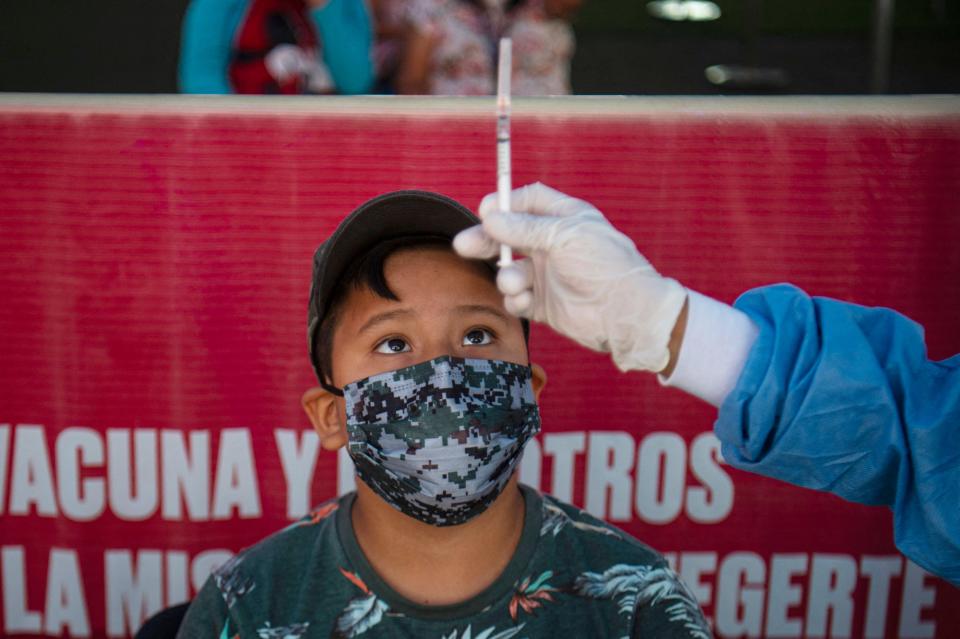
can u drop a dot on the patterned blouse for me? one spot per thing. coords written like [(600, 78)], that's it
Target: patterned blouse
[(467, 33)]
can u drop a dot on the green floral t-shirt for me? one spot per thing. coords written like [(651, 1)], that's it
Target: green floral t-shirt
[(572, 575)]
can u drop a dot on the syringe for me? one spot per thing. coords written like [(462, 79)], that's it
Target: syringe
[(504, 185)]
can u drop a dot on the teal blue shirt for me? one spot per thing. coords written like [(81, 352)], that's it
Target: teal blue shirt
[(210, 26), (571, 575)]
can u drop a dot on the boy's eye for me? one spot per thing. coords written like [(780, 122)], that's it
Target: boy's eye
[(393, 345), (477, 337)]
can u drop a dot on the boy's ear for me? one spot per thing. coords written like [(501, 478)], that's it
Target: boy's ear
[(321, 407), (539, 379)]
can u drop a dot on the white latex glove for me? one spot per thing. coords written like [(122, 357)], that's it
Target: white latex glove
[(582, 276)]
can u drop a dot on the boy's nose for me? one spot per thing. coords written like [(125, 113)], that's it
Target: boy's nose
[(441, 350), (440, 346)]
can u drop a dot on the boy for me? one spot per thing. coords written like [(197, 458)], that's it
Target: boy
[(426, 379)]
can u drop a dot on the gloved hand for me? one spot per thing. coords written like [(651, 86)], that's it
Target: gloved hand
[(581, 276)]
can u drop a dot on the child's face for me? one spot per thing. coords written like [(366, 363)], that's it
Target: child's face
[(447, 306)]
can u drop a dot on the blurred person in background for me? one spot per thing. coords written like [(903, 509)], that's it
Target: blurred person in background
[(450, 46), (389, 16), (276, 47), (543, 46)]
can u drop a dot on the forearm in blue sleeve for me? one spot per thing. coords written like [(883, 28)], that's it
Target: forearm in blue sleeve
[(346, 38), (842, 398), (205, 45)]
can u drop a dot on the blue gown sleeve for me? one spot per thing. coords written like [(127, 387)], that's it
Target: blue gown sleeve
[(346, 35), (842, 398), (205, 44)]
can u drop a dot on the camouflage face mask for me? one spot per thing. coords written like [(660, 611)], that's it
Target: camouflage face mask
[(439, 440)]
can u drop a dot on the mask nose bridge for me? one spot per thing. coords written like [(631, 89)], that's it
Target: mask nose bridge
[(443, 370)]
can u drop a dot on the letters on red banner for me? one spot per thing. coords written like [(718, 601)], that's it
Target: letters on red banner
[(80, 475)]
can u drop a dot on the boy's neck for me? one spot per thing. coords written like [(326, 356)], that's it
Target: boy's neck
[(433, 565)]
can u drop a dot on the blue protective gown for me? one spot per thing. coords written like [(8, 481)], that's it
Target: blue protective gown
[(842, 398), (209, 28)]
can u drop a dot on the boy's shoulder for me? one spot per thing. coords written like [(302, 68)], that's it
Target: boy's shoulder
[(568, 524), (597, 562), (283, 559)]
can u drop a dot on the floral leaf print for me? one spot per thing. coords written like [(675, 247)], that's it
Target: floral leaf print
[(555, 518), (530, 596), (355, 580), (322, 511), (293, 631), (225, 632), (231, 582), (633, 586), (603, 530), (361, 613), (486, 634)]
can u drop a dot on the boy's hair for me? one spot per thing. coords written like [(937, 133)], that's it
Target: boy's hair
[(368, 271)]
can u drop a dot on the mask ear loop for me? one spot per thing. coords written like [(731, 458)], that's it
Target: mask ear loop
[(331, 388)]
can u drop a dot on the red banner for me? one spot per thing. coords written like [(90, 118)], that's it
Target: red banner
[(157, 260)]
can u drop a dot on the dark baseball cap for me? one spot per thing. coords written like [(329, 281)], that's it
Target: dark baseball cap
[(385, 217)]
